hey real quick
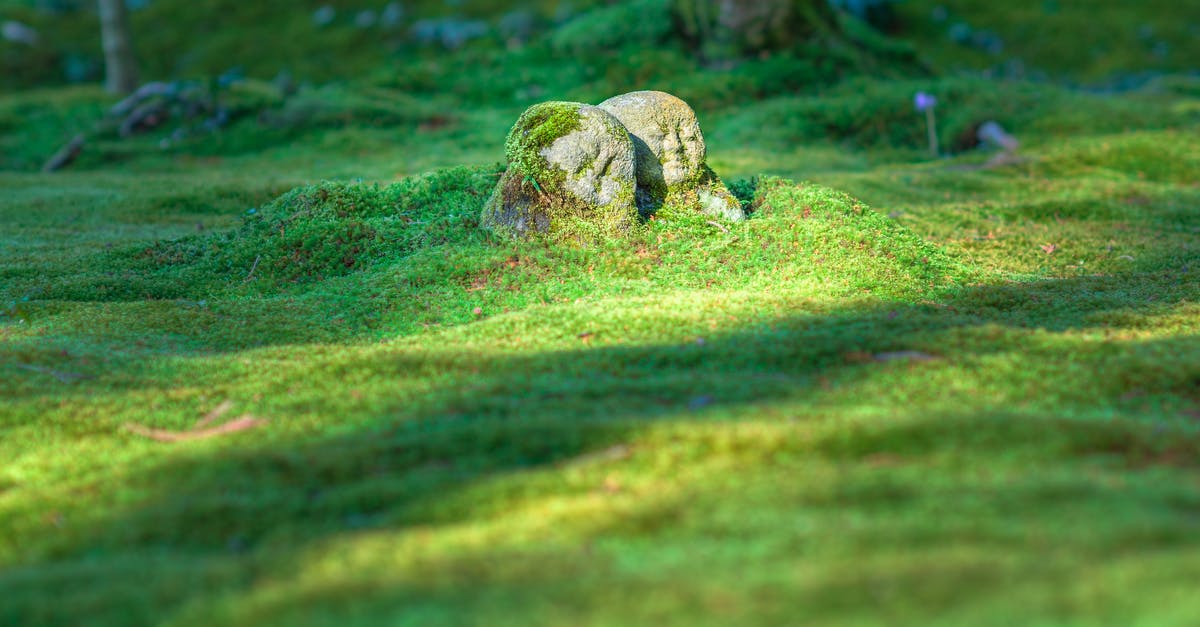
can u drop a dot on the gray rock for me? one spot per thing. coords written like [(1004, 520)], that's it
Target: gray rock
[(365, 19), (324, 15), (392, 15), (518, 26), (451, 32), (671, 155), (571, 175), (18, 33)]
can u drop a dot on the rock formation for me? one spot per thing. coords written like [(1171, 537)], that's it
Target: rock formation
[(579, 172), (671, 155)]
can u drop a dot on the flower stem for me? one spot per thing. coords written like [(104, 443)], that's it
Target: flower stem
[(931, 124)]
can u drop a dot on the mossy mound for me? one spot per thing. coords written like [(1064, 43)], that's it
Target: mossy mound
[(309, 234), (570, 176), (800, 236), (828, 237)]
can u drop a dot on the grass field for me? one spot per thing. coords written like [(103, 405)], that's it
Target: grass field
[(906, 391)]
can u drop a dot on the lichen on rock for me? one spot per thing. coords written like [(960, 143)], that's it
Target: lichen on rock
[(671, 155), (570, 175)]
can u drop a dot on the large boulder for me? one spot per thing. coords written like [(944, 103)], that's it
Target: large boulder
[(671, 167), (571, 175)]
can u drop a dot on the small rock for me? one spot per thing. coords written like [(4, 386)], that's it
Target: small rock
[(904, 356), (392, 14), (451, 33), (324, 16), (365, 19), (990, 132), (518, 25), (18, 33), (960, 33)]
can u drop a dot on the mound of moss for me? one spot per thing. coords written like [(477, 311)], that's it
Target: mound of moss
[(846, 242), (309, 234), (799, 236)]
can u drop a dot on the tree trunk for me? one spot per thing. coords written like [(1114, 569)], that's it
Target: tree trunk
[(732, 28), (119, 64)]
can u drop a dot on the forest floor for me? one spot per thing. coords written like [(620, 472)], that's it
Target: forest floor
[(907, 390)]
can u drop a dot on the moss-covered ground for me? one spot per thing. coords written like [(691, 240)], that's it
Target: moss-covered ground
[(906, 391)]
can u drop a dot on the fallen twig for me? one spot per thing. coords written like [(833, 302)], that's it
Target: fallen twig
[(253, 267), (719, 226), (66, 155), (611, 454), (143, 93), (161, 435), (998, 160), (212, 416), (63, 377)]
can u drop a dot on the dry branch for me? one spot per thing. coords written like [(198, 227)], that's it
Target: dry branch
[(66, 155), (162, 435)]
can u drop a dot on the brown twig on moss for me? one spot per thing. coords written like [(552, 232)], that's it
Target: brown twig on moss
[(242, 423)]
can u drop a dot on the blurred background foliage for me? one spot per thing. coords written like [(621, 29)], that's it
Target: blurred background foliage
[(1110, 42), (270, 71)]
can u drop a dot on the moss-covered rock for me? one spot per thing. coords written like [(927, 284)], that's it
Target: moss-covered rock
[(570, 175), (671, 155)]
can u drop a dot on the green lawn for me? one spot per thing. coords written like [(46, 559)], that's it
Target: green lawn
[(906, 391)]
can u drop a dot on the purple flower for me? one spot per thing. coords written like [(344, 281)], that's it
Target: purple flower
[(924, 101)]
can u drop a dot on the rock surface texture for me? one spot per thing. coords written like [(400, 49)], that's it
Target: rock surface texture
[(671, 155), (571, 175)]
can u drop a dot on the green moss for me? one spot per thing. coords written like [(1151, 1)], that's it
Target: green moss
[(529, 192), (535, 131), (945, 381), (639, 398), (531, 200), (312, 233), (696, 193), (1105, 41), (518, 209), (878, 114)]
